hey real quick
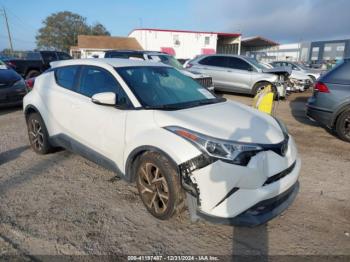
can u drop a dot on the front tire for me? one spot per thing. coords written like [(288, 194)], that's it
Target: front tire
[(38, 135), (159, 186), (342, 126)]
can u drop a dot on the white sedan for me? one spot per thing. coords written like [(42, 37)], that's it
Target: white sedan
[(159, 128)]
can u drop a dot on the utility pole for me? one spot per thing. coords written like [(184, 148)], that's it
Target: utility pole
[(8, 29)]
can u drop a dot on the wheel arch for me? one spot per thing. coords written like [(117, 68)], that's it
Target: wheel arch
[(29, 109), (134, 156), (260, 82), (338, 112)]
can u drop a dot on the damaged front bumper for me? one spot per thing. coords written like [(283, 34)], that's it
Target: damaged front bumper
[(244, 195)]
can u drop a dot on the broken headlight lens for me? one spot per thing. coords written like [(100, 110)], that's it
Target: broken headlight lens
[(235, 152)]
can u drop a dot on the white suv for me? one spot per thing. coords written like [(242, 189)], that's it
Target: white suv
[(159, 128)]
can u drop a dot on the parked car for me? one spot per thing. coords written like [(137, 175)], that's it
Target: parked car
[(330, 103), (156, 127), (240, 74), (12, 86), (299, 81), (314, 74), (155, 56), (34, 63)]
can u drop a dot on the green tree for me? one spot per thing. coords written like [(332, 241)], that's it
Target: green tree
[(60, 30), (99, 29)]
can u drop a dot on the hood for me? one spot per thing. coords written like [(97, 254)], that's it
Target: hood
[(227, 120), (192, 74), (8, 77), (299, 75), (278, 70)]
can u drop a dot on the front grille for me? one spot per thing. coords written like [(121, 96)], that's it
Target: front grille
[(205, 81), (280, 175)]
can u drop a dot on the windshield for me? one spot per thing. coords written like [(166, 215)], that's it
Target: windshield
[(168, 60), (165, 88), (255, 62)]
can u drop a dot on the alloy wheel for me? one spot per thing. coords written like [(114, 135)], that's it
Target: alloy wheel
[(153, 188), (36, 134)]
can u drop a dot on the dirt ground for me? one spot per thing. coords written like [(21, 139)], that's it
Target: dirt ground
[(63, 204)]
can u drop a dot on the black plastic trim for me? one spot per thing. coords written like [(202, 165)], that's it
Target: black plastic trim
[(280, 175)]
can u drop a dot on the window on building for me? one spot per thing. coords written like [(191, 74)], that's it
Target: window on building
[(176, 40), (314, 53), (207, 40)]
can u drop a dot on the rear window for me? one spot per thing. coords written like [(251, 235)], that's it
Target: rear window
[(66, 76), (63, 56), (32, 56), (340, 74)]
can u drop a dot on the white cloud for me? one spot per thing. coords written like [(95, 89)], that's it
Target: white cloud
[(281, 20)]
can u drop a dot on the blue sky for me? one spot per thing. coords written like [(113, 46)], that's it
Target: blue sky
[(280, 20)]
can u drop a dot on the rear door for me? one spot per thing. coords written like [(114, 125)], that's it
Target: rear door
[(239, 74), (216, 67), (59, 97)]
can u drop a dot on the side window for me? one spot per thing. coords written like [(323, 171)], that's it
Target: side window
[(219, 61), (63, 56), (49, 56), (66, 76), (95, 80), (237, 63)]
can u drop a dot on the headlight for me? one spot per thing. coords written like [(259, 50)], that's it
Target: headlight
[(230, 151)]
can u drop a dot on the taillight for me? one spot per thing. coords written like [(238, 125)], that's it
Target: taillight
[(321, 87), (30, 83), (189, 65)]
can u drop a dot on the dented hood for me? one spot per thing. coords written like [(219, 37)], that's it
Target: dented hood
[(278, 70), (226, 120)]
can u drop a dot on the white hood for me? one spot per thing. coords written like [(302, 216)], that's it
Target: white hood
[(227, 120), (299, 75)]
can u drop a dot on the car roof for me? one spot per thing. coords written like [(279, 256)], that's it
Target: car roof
[(136, 52), (114, 62)]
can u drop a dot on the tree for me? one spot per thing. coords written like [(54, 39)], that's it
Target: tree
[(60, 31), (99, 29)]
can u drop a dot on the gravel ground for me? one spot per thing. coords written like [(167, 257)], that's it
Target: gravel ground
[(63, 204)]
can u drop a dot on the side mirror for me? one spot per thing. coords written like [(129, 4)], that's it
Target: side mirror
[(106, 98)]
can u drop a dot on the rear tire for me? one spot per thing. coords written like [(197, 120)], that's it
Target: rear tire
[(342, 126), (38, 135), (159, 186)]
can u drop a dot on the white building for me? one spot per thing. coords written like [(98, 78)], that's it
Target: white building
[(187, 44)]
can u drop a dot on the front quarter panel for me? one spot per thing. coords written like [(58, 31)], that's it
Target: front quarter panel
[(143, 132)]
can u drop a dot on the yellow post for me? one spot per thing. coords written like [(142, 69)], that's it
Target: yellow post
[(263, 101)]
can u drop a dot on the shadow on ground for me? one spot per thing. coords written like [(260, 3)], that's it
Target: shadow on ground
[(298, 110), (8, 110), (12, 154)]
